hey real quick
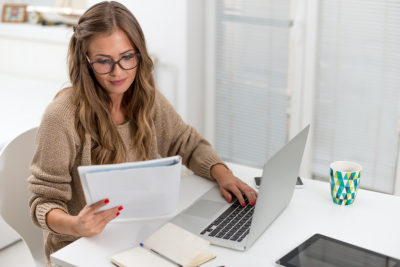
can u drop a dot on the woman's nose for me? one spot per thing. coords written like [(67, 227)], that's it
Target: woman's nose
[(116, 70)]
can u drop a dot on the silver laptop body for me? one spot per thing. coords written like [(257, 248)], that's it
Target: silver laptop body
[(276, 190)]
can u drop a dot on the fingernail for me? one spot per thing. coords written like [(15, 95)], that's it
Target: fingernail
[(243, 204), (117, 213), (106, 200), (252, 203), (120, 208)]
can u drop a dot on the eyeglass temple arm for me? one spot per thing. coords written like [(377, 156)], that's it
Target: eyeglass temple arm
[(88, 59)]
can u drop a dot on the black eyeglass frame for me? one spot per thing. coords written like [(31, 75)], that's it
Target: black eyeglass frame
[(114, 63)]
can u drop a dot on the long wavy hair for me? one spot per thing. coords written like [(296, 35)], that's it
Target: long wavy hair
[(93, 114)]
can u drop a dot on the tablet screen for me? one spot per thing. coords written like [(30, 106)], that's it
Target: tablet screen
[(323, 251)]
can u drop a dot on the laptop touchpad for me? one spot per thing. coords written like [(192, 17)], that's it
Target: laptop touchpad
[(204, 208)]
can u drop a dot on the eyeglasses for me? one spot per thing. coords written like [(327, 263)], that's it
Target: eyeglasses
[(105, 66)]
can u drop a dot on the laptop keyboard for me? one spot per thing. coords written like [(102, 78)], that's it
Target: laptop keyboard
[(233, 224)]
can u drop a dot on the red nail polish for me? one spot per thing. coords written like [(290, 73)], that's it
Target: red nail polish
[(117, 213), (120, 208), (106, 200), (252, 203), (243, 204)]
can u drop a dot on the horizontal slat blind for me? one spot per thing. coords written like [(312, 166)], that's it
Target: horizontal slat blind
[(357, 89), (251, 79)]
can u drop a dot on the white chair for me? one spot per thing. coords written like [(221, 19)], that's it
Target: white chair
[(15, 159)]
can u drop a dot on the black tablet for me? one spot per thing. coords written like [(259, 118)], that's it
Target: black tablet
[(323, 251)]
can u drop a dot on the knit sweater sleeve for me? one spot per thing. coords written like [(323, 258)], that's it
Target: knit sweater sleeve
[(175, 137), (55, 152)]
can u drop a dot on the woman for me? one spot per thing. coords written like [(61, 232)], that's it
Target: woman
[(112, 113)]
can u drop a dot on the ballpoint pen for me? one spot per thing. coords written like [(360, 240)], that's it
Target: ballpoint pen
[(162, 256)]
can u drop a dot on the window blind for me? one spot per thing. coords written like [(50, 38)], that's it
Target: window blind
[(251, 60), (357, 89)]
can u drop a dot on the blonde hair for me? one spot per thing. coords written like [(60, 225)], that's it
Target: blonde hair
[(93, 114)]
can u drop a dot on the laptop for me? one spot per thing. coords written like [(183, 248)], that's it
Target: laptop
[(233, 226)]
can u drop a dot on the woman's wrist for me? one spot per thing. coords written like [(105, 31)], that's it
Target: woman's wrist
[(219, 171), (72, 225), (61, 222)]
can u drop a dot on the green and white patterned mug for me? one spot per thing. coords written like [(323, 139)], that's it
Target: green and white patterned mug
[(345, 179)]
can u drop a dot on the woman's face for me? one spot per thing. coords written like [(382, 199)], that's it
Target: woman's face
[(103, 48)]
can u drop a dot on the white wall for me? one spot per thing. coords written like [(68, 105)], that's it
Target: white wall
[(196, 72), (34, 72)]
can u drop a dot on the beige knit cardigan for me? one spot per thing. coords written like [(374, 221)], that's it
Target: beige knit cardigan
[(59, 151)]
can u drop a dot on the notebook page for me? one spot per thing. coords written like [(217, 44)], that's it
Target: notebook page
[(140, 257), (203, 257), (177, 244)]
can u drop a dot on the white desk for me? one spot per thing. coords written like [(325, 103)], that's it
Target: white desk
[(372, 222)]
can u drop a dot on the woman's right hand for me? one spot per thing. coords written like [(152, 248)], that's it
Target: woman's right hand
[(89, 223)]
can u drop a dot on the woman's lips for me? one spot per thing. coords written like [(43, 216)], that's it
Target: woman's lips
[(118, 82)]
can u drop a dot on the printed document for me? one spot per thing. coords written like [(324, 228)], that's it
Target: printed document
[(145, 189)]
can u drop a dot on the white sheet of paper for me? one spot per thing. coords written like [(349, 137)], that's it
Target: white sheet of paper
[(144, 189)]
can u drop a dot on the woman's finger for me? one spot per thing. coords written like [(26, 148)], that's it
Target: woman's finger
[(99, 220), (103, 223), (110, 217), (225, 193), (103, 215), (238, 194), (96, 206), (250, 193), (84, 210)]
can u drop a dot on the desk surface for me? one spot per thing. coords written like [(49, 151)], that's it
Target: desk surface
[(372, 222)]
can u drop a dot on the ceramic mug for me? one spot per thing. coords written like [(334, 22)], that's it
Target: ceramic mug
[(345, 180)]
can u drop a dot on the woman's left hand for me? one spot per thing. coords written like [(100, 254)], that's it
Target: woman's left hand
[(230, 184)]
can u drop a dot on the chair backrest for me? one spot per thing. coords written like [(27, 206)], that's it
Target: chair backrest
[(15, 159)]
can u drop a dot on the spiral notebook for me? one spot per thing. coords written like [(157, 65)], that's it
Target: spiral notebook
[(169, 246)]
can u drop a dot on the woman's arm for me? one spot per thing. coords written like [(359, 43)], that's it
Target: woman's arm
[(57, 145), (61, 222), (174, 137), (55, 154)]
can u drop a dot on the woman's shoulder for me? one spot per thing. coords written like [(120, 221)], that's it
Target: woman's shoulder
[(62, 109), (58, 124), (163, 110), (160, 101)]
